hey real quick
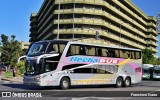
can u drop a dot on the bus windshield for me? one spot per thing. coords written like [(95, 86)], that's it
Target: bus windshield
[(37, 49), (32, 68), (145, 71), (157, 72)]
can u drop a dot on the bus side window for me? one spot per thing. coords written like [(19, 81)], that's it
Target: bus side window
[(104, 52), (98, 52), (111, 53), (90, 51), (132, 55), (50, 49), (124, 54), (117, 53), (55, 47), (73, 50), (61, 48), (138, 55)]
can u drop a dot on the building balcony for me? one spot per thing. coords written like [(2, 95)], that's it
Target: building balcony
[(152, 37), (152, 18), (33, 33), (102, 13), (153, 49), (49, 13), (136, 8), (151, 24), (152, 43), (152, 31), (44, 7), (45, 30), (33, 16), (100, 23), (102, 33), (129, 11), (44, 24), (102, 3), (155, 56)]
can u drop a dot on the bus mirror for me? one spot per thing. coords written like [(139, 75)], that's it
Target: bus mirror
[(19, 59), (45, 56)]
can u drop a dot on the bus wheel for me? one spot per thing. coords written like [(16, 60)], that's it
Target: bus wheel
[(119, 82), (64, 83), (127, 82)]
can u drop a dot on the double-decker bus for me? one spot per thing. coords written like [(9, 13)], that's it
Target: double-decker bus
[(68, 63)]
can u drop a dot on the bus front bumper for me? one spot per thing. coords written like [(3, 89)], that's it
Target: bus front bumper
[(156, 77), (146, 77)]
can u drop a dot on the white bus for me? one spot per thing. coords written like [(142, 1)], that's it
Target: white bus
[(66, 63)]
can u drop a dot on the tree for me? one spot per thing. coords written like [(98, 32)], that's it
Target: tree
[(148, 57), (10, 49)]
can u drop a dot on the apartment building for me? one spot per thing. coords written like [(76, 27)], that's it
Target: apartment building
[(118, 22)]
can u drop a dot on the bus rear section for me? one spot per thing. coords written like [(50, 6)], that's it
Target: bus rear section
[(97, 65)]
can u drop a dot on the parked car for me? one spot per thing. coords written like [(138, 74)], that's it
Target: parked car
[(2, 67)]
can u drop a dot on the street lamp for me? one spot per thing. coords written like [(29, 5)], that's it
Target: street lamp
[(59, 7)]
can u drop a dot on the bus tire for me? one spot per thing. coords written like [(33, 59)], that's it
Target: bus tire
[(127, 82), (64, 83), (119, 82)]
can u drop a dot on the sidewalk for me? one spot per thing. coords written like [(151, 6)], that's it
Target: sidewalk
[(15, 79)]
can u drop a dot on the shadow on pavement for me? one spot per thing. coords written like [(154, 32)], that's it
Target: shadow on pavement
[(22, 86), (32, 87)]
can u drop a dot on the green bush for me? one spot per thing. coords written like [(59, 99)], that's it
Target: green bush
[(8, 74), (20, 68)]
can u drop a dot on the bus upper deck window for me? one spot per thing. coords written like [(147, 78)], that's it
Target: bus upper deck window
[(52, 48), (104, 52)]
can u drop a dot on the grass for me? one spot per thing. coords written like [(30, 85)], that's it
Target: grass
[(8, 74)]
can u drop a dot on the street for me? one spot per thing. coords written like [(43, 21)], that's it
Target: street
[(85, 92)]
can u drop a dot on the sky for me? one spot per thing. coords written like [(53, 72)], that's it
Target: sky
[(150, 8), (15, 15)]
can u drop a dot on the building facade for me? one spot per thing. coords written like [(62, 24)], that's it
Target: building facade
[(118, 22), (25, 45)]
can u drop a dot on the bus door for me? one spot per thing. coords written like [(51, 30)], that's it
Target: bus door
[(50, 63)]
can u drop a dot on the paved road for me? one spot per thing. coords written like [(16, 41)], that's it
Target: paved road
[(85, 93)]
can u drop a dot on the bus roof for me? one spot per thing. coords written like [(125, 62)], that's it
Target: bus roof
[(148, 65), (61, 41), (82, 43), (103, 45)]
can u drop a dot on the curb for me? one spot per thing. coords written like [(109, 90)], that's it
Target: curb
[(12, 80)]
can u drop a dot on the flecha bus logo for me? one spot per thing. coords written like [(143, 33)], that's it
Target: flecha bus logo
[(93, 60)]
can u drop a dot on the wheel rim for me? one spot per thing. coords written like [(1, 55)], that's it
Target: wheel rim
[(119, 83), (127, 82), (65, 84)]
